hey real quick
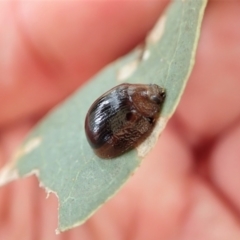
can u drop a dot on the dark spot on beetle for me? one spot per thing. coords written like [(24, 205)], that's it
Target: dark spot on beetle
[(123, 117), (129, 116)]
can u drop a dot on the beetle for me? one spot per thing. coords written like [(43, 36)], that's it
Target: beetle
[(123, 117)]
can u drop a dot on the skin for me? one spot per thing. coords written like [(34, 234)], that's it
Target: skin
[(188, 186)]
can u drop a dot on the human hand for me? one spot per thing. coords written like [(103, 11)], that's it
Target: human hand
[(187, 187)]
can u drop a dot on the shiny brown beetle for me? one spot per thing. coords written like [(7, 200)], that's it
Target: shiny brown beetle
[(123, 117)]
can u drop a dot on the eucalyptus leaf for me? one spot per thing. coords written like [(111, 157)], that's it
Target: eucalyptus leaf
[(57, 150)]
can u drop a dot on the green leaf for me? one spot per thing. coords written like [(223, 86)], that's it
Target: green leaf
[(57, 150)]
